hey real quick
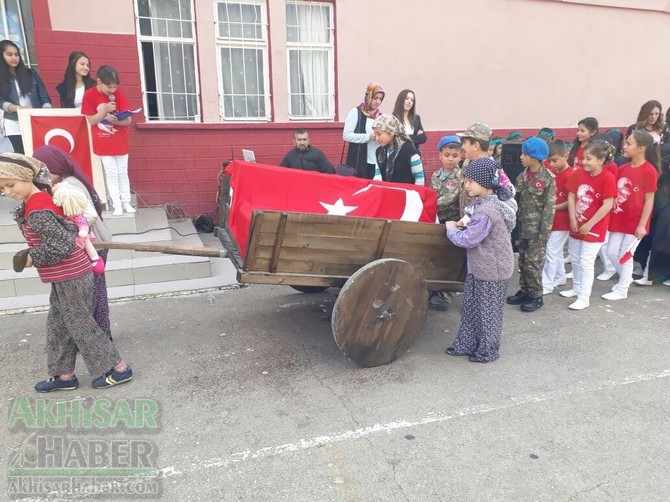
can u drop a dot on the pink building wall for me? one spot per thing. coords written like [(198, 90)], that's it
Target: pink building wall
[(515, 64)]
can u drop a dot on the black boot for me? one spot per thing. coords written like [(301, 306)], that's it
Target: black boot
[(518, 298), (532, 304)]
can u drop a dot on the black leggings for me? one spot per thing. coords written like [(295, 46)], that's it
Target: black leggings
[(17, 143)]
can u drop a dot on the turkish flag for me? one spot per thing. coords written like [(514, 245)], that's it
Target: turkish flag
[(271, 188), (67, 132)]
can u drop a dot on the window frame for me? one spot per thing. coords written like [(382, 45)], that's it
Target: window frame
[(197, 118), (299, 46), (262, 44)]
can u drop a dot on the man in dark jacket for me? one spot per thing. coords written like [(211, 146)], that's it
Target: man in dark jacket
[(306, 157)]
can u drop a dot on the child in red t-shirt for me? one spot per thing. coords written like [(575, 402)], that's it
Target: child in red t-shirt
[(590, 198), (586, 129), (636, 185), (553, 270), (110, 135)]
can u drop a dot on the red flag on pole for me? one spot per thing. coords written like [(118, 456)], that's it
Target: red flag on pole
[(264, 187), (69, 133)]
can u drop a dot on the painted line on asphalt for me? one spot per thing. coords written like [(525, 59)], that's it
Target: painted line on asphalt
[(433, 418)]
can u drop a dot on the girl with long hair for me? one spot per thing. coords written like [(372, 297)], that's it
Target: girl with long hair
[(20, 87), (76, 80), (405, 111)]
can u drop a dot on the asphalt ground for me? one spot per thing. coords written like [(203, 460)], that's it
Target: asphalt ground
[(256, 403)]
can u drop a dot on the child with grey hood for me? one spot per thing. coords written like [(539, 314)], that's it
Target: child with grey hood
[(490, 261)]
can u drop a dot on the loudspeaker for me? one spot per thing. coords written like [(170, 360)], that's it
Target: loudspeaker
[(510, 159)]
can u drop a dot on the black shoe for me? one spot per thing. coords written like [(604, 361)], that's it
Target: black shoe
[(532, 304), (519, 298), (474, 359), (437, 301), (453, 352)]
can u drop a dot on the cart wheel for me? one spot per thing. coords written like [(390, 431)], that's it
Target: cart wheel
[(380, 311), (310, 289)]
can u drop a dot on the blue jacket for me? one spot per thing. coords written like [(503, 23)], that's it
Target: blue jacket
[(38, 96)]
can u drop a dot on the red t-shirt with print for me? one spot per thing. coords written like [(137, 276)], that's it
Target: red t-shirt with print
[(590, 191), (107, 139), (561, 216), (632, 185), (579, 158)]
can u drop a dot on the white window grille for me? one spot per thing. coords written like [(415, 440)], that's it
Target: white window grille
[(242, 45), (311, 61), (17, 26), (167, 44)]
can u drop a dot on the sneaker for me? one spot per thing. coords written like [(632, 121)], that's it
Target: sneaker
[(568, 293), (606, 275), (643, 282), (118, 211), (112, 378), (614, 295), (437, 301), (55, 383), (98, 266), (128, 208), (547, 291), (666, 283), (579, 305), (568, 275)]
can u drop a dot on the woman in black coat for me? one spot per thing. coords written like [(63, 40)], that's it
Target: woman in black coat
[(405, 111)]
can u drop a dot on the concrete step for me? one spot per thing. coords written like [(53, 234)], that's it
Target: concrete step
[(128, 273)]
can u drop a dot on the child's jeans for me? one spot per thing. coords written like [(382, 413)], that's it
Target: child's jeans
[(583, 257), (616, 247), (553, 271), (116, 175)]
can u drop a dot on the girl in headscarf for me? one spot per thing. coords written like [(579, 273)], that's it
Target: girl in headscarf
[(358, 132), (397, 158), (63, 167), (53, 251)]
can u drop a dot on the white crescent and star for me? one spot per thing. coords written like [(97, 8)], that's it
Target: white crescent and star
[(338, 208), (411, 212), (59, 132)]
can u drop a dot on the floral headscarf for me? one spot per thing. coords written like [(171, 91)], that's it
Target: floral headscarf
[(370, 92), (389, 123), (21, 167)]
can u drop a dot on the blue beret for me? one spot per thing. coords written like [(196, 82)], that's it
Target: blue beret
[(447, 140), (535, 147)]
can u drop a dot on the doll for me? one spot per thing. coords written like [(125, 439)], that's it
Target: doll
[(78, 210)]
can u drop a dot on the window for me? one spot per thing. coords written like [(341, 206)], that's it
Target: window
[(17, 26), (311, 66), (242, 45), (167, 54)]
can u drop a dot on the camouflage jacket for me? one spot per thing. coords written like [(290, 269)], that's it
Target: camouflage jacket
[(448, 190), (536, 195)]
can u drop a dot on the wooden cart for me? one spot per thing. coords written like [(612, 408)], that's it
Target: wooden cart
[(384, 267)]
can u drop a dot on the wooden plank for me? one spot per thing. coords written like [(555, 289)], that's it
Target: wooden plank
[(308, 267), (278, 242), (291, 279), (351, 244), (383, 239)]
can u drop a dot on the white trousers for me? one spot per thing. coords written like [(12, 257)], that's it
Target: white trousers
[(583, 257), (616, 247), (608, 266), (116, 176), (553, 271)]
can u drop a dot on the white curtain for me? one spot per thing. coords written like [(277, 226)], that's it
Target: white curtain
[(174, 62), (309, 66)]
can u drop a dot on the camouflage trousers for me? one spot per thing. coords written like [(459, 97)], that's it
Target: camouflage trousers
[(531, 260)]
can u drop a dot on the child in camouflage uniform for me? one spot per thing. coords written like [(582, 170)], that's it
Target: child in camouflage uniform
[(448, 180), (536, 194), (448, 183)]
